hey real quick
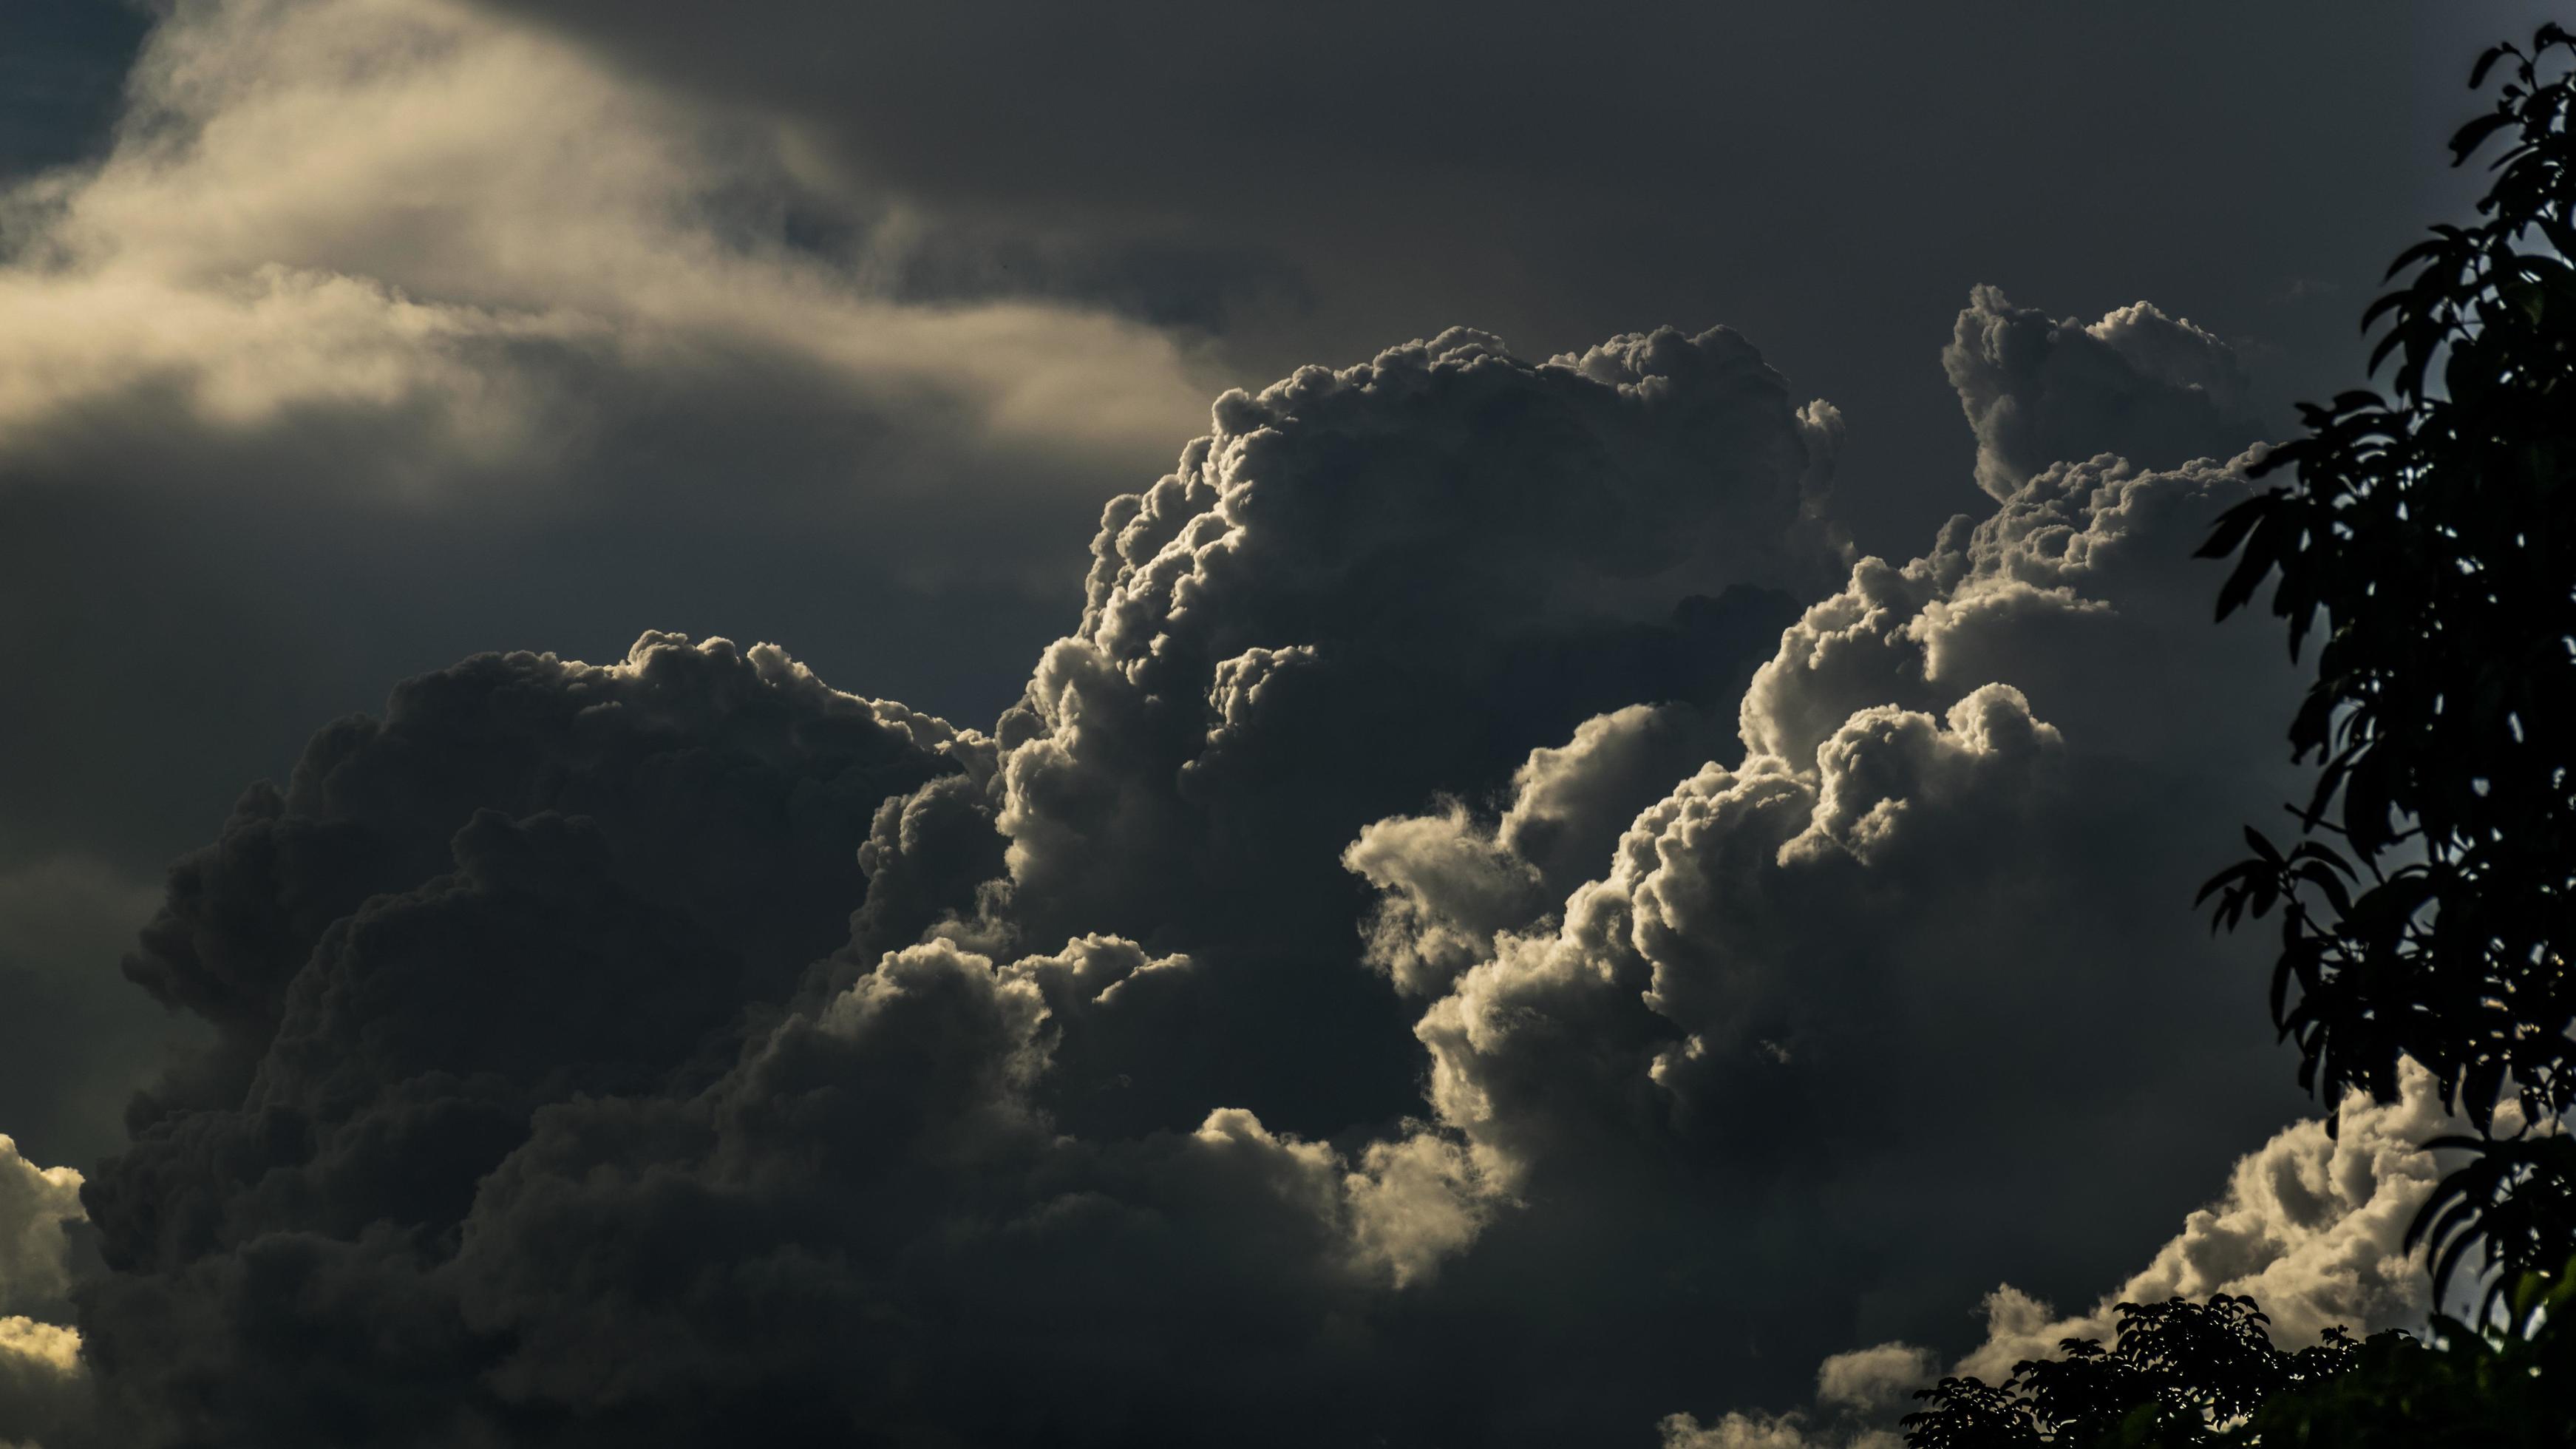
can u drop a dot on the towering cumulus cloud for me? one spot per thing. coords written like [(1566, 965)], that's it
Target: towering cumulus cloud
[(1895, 990), (1489, 904), (1364, 588), (526, 1100)]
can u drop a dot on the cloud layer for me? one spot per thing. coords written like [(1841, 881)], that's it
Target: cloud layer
[(396, 218)]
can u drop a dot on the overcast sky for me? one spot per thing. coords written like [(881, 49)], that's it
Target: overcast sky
[(1472, 725)]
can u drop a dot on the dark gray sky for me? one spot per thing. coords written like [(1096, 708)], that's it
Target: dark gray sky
[(1827, 182), (350, 338)]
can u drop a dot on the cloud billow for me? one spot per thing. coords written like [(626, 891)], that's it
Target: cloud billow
[(1400, 901), (1365, 588)]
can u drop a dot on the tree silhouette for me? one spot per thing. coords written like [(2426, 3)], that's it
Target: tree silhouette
[(2432, 535), (2180, 1373), (2429, 542)]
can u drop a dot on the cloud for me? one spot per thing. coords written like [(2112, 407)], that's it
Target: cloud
[(42, 1381), (1403, 740), (1856, 1394), (1933, 906), (1882, 761), (2139, 384), (371, 297), (35, 1202), (681, 1048), (1447, 888), (397, 221), (382, 332), (531, 879), (1872, 1379), (869, 1221), (1365, 587), (524, 965), (43, 1387)]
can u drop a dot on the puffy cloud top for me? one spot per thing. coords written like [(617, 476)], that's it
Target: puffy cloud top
[(1366, 587), (2139, 384)]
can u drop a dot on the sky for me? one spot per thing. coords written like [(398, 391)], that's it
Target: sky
[(999, 724)]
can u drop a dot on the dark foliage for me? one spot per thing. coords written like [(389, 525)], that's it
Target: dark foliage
[(2431, 539), (2185, 1374), (2512, 1201), (2465, 1388), (2177, 1373)]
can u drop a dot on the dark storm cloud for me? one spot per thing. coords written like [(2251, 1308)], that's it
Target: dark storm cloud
[(383, 334), (1367, 587), (561, 1097), (1898, 986), (425, 954), (728, 791), (500, 980), (1889, 869), (529, 880)]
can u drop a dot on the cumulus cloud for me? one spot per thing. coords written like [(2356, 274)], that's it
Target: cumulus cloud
[(35, 1202), (875, 1224), (1882, 761), (1316, 967), (1446, 888), (524, 965), (1934, 901), (42, 1381), (1483, 841), (1365, 587), (2139, 384), (1855, 1397)]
